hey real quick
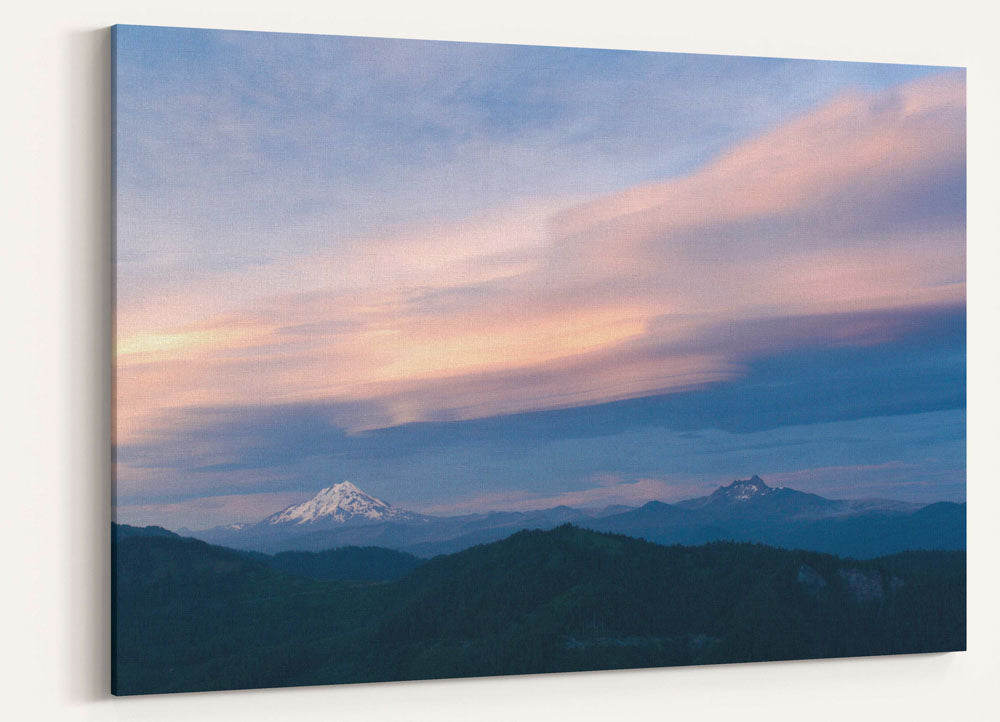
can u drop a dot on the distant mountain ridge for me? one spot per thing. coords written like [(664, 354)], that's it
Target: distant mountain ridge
[(750, 510), (744, 510)]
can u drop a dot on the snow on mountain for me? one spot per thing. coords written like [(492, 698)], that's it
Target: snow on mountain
[(743, 490), (343, 502)]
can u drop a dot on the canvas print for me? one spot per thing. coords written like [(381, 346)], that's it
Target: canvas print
[(443, 359)]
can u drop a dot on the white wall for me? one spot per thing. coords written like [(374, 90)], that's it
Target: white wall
[(55, 332)]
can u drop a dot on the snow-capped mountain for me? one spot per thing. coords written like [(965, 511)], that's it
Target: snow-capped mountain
[(341, 503)]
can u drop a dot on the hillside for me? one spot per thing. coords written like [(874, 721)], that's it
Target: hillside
[(357, 564), (349, 563), (190, 616)]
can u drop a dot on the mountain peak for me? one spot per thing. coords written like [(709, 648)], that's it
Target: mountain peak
[(344, 487), (743, 489), (343, 502)]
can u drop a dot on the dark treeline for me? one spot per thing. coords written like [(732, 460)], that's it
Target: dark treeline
[(189, 616)]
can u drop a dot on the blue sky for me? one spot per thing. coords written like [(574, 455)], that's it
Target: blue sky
[(227, 138), (481, 276)]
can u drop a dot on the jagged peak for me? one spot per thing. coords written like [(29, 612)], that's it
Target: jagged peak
[(744, 489)]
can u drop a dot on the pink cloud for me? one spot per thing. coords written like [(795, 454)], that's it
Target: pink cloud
[(611, 299)]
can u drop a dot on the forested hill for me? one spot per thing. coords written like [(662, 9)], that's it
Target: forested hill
[(190, 616), (348, 563)]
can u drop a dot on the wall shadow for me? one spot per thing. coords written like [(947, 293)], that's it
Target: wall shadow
[(87, 132)]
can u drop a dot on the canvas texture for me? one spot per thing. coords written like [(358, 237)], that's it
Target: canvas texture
[(443, 359)]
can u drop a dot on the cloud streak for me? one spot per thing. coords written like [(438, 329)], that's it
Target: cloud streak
[(807, 397), (857, 206)]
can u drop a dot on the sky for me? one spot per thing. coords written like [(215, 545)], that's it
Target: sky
[(468, 276)]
